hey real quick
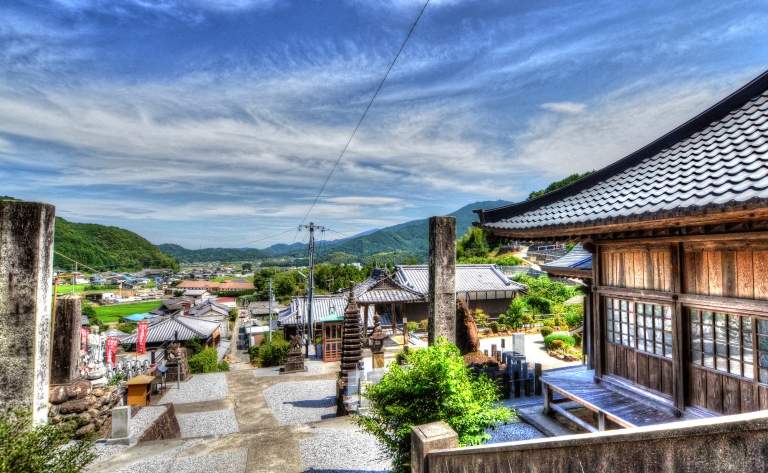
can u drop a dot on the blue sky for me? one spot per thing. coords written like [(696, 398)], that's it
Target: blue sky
[(215, 123)]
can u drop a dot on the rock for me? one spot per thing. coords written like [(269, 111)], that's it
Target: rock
[(84, 418), (74, 407), (85, 430), (94, 413), (53, 411), (55, 419), (98, 422), (103, 409), (79, 389), (58, 395), (98, 392)]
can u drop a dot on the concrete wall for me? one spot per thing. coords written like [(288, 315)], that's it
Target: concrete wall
[(26, 262), (724, 444)]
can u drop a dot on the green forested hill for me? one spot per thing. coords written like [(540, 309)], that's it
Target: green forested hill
[(212, 254), (106, 248)]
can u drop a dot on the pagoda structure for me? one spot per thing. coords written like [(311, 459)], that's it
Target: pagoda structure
[(351, 349)]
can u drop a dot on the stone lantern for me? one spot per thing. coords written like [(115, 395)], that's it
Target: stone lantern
[(377, 343)]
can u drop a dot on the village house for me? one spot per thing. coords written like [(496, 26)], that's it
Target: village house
[(213, 311), (677, 311), (178, 328)]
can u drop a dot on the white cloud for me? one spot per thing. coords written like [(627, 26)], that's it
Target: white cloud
[(564, 107)]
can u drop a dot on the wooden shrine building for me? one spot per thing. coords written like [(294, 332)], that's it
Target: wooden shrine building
[(678, 233)]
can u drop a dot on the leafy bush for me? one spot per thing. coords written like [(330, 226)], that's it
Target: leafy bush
[(424, 324), (273, 353), (559, 321), (412, 326), (558, 344), (549, 323), (435, 386), (568, 341), (576, 339), (546, 331), (40, 448), (495, 327), (526, 319), (115, 380), (194, 346), (204, 362), (126, 327), (574, 316), (223, 366), (88, 310), (502, 328), (233, 313)]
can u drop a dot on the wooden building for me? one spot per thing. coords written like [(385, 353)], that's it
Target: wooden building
[(678, 232)]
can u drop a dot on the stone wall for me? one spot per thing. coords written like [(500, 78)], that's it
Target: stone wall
[(165, 427), (81, 406), (26, 261), (724, 444)]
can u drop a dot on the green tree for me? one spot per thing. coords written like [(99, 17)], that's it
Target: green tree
[(558, 184), (285, 285), (411, 260), (41, 448), (472, 244), (247, 266), (435, 386)]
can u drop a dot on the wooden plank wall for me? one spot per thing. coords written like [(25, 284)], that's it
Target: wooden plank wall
[(725, 269), (644, 268), (644, 370), (725, 394)]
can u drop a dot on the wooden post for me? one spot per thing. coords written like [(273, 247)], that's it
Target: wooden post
[(679, 330), (547, 400), (442, 279), (597, 318), (537, 379), (601, 421)]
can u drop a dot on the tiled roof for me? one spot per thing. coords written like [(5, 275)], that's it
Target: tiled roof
[(469, 278), (227, 285), (187, 328), (115, 333), (389, 290), (207, 307), (578, 258), (718, 160)]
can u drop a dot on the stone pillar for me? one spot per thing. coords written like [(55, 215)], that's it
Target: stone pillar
[(442, 279), (121, 426), (26, 261), (66, 339), (428, 437)]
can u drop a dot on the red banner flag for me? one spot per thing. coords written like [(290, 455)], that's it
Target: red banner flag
[(84, 332), (141, 338), (111, 350)]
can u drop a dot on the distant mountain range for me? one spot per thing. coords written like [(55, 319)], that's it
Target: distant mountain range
[(401, 240)]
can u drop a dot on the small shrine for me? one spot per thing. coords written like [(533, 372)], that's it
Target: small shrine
[(332, 326), (140, 390)]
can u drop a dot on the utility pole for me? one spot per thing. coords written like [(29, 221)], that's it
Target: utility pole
[(269, 319), (311, 332)]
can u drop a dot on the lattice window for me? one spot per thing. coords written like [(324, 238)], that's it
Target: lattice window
[(724, 342), (762, 350), (640, 325)]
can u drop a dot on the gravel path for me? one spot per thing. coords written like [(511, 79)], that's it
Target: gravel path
[(201, 388), (313, 367), (301, 402), (343, 451), (513, 432), (203, 424), (139, 424), (223, 462)]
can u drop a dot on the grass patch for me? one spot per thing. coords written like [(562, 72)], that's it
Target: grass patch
[(112, 313)]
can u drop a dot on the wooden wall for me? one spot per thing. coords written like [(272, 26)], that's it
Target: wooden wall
[(725, 269), (718, 392), (645, 370), (646, 268)]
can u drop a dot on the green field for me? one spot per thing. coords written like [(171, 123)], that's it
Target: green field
[(111, 313)]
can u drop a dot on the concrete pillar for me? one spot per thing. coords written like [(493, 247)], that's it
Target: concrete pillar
[(26, 261), (66, 339), (121, 426), (442, 279), (428, 437)]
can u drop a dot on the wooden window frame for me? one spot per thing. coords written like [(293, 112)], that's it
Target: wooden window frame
[(668, 351)]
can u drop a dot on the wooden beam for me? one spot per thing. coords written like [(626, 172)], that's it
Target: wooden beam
[(630, 293), (679, 331), (726, 304), (597, 316)]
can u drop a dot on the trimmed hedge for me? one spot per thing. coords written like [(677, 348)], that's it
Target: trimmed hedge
[(546, 331), (207, 361), (567, 340)]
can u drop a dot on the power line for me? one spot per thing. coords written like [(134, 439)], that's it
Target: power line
[(265, 238), (365, 112)]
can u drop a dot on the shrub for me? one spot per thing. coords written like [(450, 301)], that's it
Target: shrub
[(88, 310), (223, 366), (25, 447), (233, 313), (546, 331), (574, 316), (204, 362), (568, 341), (273, 353), (559, 321), (253, 352), (194, 346), (549, 323), (435, 386), (126, 327), (115, 380), (495, 327), (424, 324), (412, 326), (558, 344), (502, 328), (576, 339), (526, 320)]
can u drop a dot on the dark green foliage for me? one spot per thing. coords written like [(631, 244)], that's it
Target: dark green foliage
[(412, 326), (5, 197), (103, 247), (546, 331), (212, 254), (233, 313), (88, 310), (126, 327), (544, 295), (272, 353), (577, 339), (194, 346), (253, 352), (247, 267), (223, 366), (435, 386), (115, 380), (568, 341), (574, 315), (558, 184), (515, 314), (472, 244), (178, 293), (340, 276), (204, 362), (25, 448), (495, 327)]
